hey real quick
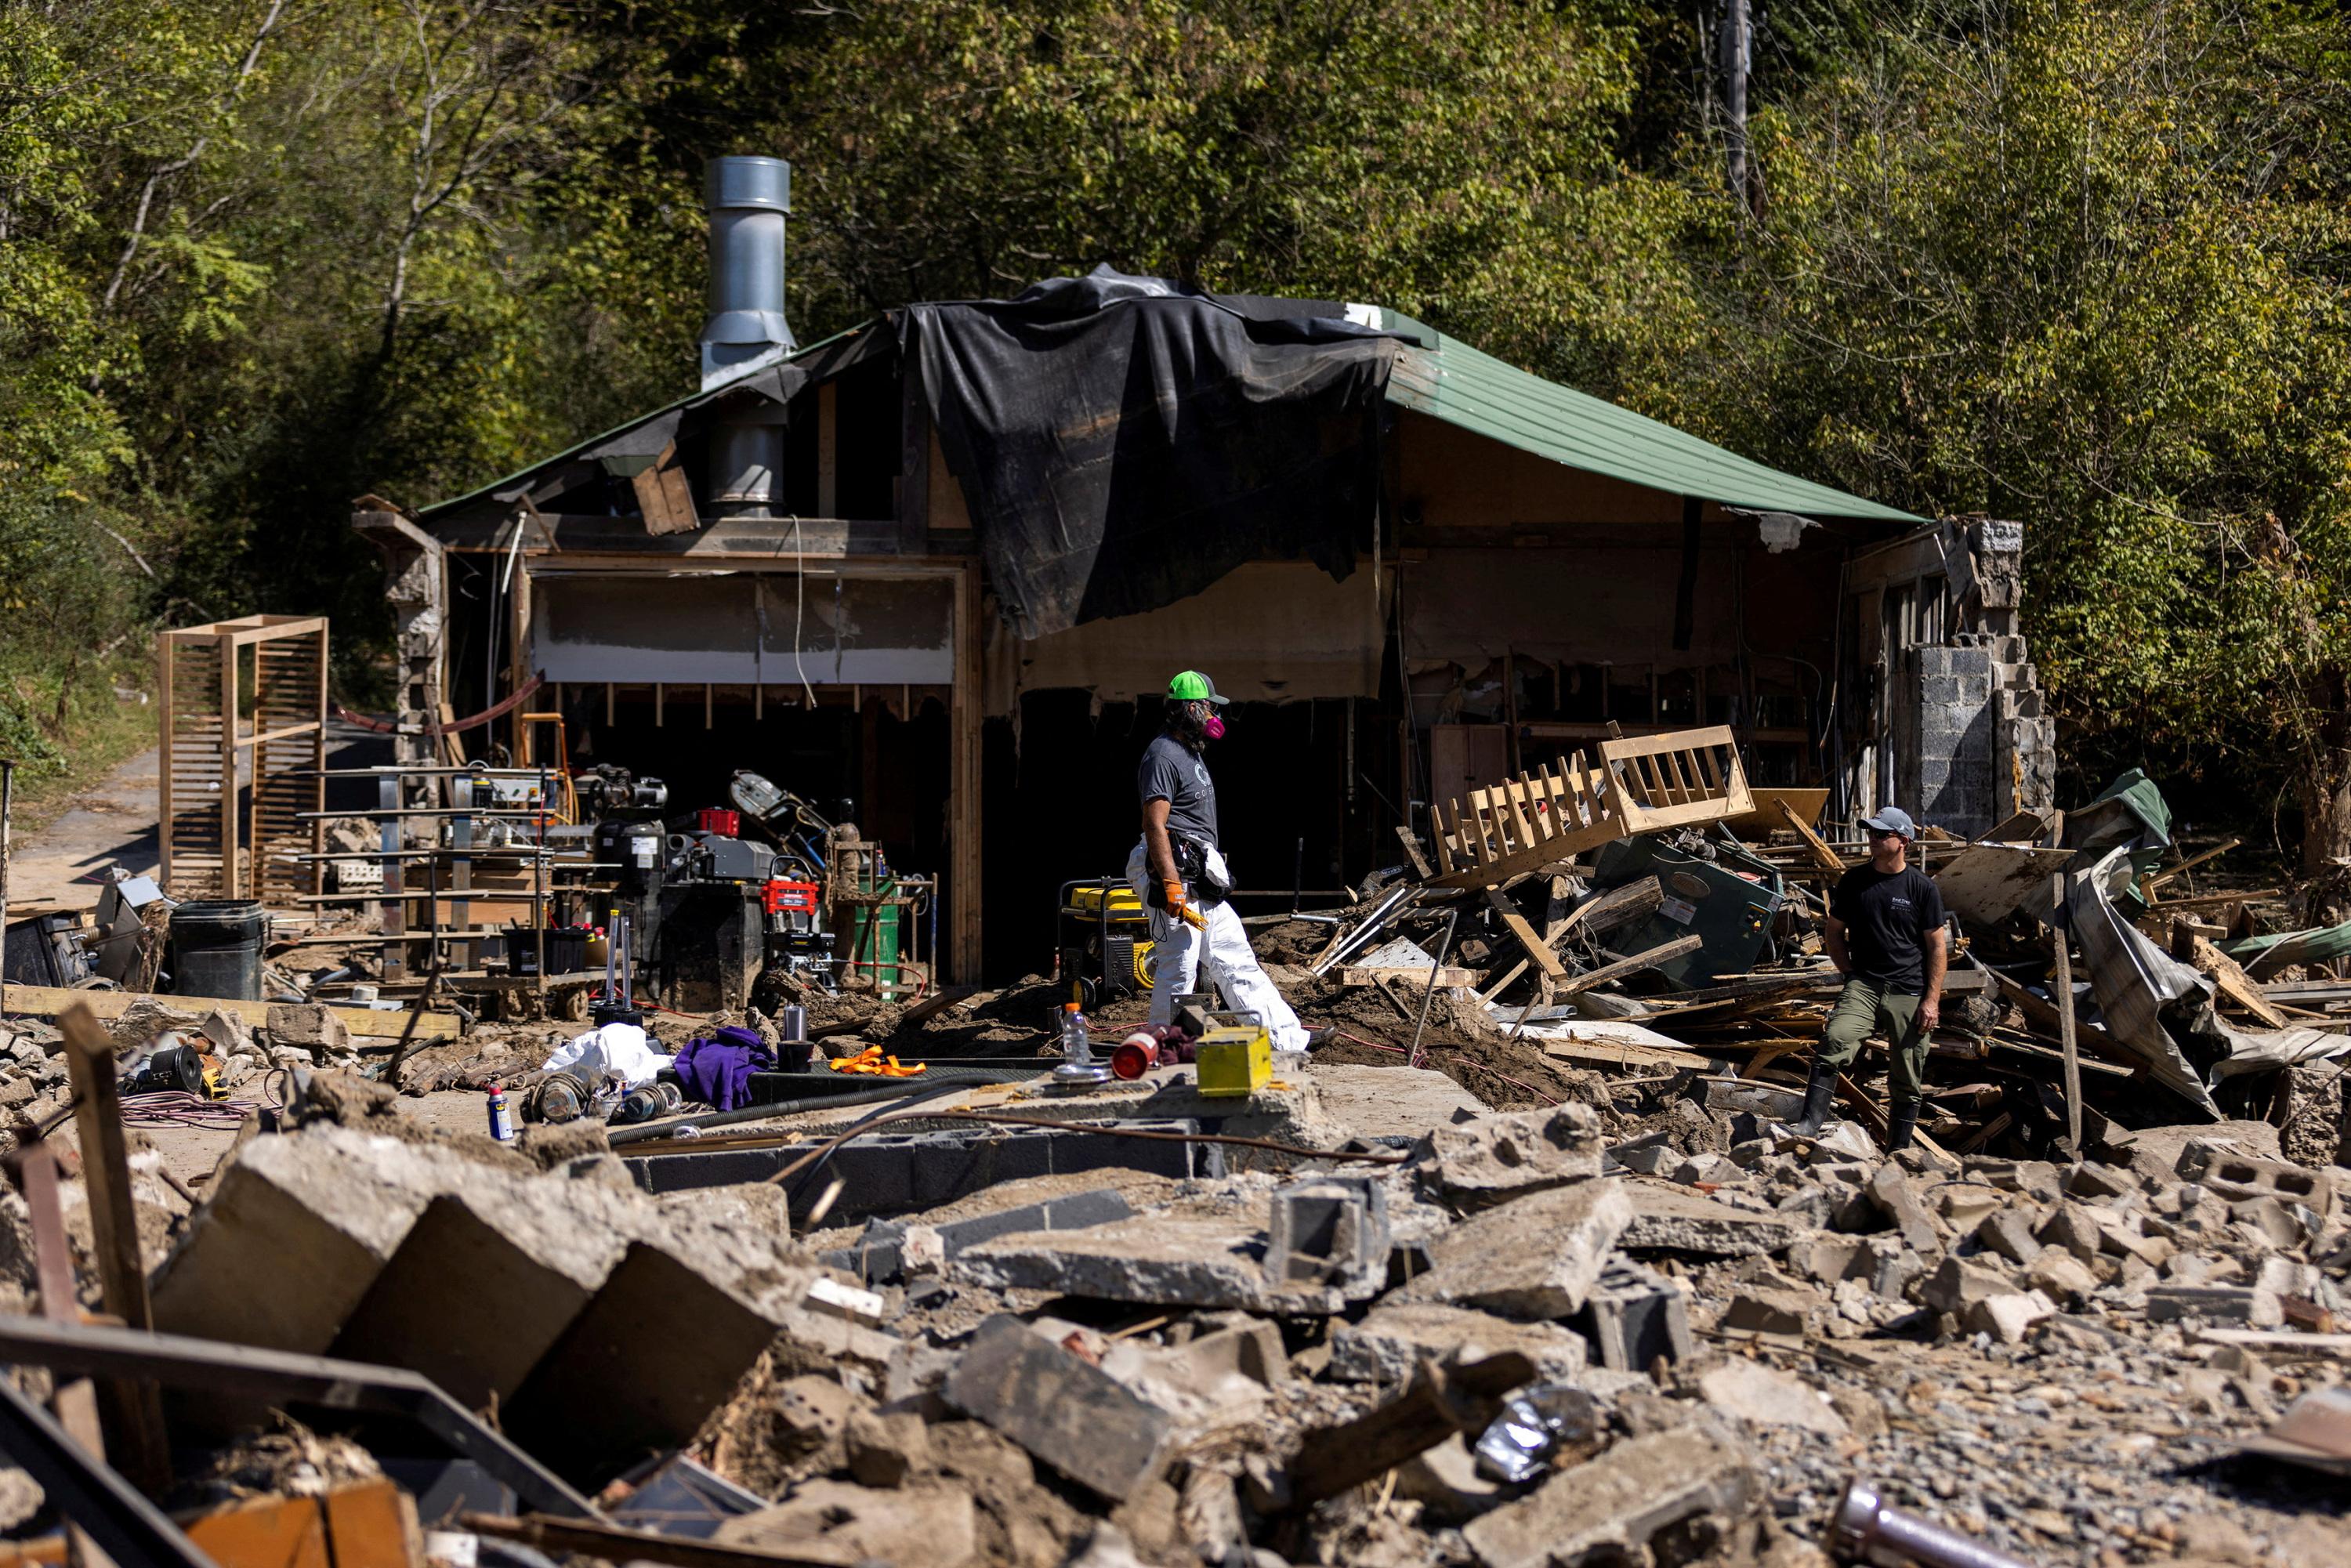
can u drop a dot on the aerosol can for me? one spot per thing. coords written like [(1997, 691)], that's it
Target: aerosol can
[(501, 1117)]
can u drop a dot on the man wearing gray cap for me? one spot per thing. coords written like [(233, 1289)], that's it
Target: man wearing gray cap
[(1884, 933)]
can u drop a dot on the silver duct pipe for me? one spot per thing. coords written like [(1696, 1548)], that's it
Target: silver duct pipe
[(748, 200)]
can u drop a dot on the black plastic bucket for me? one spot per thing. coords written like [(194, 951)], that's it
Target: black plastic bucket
[(216, 948)]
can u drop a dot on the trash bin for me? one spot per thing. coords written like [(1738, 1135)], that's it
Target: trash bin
[(215, 947)]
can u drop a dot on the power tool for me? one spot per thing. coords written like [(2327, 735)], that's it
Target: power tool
[(174, 1067)]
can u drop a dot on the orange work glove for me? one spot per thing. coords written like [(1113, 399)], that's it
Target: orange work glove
[(1173, 891)]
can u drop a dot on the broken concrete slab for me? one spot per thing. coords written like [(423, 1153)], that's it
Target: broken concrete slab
[(1494, 1157), (1156, 1259), (616, 1385), (480, 1287), (1393, 1339), (1898, 1200), (930, 1522), (314, 1215), (1668, 1218), (1536, 1257), (1392, 1102), (1060, 1408), (2245, 1306), (882, 1254), (1763, 1308), (1957, 1284), (312, 1026), (1607, 1509), (1765, 1396), (2010, 1316), (885, 1450)]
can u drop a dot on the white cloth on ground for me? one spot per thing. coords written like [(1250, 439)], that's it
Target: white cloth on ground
[(617, 1049), (1178, 952)]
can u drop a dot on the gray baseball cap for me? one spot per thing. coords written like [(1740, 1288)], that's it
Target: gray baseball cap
[(1893, 820)]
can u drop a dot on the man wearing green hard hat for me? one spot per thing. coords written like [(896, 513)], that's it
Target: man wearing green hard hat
[(1181, 875)]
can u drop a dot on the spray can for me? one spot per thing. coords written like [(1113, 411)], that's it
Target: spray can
[(501, 1118)]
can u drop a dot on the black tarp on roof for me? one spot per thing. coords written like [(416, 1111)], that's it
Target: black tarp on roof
[(1125, 442)]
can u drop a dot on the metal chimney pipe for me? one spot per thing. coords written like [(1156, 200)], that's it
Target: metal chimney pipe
[(748, 200)]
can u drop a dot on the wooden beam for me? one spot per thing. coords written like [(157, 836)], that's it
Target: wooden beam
[(2234, 983), (1817, 847), (136, 1408), (52, 1001), (1544, 958), (1446, 976), (827, 450), (664, 499), (1663, 953)]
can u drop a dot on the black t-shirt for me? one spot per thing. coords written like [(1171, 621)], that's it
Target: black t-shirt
[(1886, 918), (1172, 772)]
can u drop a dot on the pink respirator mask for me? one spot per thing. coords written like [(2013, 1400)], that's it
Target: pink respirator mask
[(1213, 727)]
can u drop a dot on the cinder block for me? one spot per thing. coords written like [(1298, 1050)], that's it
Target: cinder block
[(1632, 1317), (1332, 1230), (656, 1350), (2223, 1168)]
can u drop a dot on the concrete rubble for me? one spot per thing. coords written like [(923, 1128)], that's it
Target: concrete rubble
[(1141, 1325)]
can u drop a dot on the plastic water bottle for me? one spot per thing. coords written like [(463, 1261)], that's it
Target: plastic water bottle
[(501, 1118), (1077, 1064)]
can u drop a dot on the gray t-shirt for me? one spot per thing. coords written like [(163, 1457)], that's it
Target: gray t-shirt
[(1171, 772)]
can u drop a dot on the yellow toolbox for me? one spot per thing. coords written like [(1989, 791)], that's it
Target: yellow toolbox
[(1235, 1057)]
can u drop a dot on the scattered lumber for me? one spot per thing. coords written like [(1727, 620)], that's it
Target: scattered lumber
[(374, 1023)]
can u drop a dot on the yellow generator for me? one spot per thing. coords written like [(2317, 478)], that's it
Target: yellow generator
[(1105, 941)]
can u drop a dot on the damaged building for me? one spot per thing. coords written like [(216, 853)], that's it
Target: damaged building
[(934, 565)]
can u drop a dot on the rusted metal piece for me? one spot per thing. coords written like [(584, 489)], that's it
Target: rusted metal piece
[(75, 1400)]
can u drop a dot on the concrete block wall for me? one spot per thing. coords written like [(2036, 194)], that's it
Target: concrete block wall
[(1980, 747)]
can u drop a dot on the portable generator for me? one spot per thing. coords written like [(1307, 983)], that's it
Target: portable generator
[(1105, 941)]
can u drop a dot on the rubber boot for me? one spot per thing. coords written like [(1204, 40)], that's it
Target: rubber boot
[(1902, 1120), (1819, 1090)]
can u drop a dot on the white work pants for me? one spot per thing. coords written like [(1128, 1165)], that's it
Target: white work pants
[(1178, 949)]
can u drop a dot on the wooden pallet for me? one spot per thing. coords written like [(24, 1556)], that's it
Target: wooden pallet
[(1642, 784)]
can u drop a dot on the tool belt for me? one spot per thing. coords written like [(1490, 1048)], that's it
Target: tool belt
[(1192, 864)]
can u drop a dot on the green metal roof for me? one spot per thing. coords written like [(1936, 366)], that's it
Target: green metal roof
[(1461, 386), (1449, 380)]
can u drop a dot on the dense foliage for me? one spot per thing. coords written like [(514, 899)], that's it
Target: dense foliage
[(2078, 262)]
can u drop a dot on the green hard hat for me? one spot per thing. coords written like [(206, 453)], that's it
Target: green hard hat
[(1192, 686)]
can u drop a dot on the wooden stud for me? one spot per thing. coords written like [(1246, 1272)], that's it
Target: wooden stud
[(114, 1234)]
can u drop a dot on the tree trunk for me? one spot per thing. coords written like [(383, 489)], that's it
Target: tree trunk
[(2324, 793)]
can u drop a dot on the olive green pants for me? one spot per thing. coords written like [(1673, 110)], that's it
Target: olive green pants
[(1864, 1010)]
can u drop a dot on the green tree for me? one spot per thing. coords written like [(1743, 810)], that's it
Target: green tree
[(2081, 265)]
